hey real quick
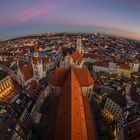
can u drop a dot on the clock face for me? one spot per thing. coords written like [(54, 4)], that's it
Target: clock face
[(36, 54)]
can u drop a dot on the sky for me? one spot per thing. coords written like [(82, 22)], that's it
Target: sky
[(25, 17)]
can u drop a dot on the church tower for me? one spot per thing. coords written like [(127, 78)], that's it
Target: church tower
[(37, 65), (67, 61), (78, 44)]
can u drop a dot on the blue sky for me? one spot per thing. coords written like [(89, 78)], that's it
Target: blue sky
[(23, 17)]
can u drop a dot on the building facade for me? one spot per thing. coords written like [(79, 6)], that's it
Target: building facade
[(101, 66), (25, 74), (123, 72), (7, 90), (15, 123), (115, 104), (37, 65)]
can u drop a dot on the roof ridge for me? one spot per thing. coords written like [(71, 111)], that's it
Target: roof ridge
[(71, 72), (76, 96), (70, 118)]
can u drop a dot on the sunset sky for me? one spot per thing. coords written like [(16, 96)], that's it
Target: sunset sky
[(23, 17)]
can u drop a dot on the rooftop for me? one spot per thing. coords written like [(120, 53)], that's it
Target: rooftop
[(27, 71), (73, 118), (33, 90), (60, 74), (22, 101), (77, 57), (102, 64), (2, 74), (9, 115), (119, 98)]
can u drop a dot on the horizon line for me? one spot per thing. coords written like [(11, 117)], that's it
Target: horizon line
[(41, 33)]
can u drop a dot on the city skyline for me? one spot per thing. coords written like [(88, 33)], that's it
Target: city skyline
[(69, 86), (106, 16)]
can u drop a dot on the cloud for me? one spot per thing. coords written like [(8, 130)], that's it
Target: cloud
[(102, 26), (30, 14), (128, 34), (27, 14), (34, 11), (106, 26), (91, 22)]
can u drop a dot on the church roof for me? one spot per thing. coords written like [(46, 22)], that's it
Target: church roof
[(35, 48), (70, 116), (82, 74), (33, 90), (89, 120), (27, 71), (77, 57)]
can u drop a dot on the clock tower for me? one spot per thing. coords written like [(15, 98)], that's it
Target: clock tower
[(37, 65)]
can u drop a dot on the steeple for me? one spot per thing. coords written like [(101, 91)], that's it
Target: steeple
[(67, 60), (78, 44)]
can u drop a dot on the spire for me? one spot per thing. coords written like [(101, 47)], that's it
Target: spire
[(78, 36), (67, 60), (78, 44)]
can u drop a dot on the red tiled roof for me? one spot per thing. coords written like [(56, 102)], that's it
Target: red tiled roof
[(34, 90), (6, 63), (89, 120), (70, 117), (47, 58), (27, 71), (123, 66), (102, 64), (77, 57), (88, 55), (125, 60), (94, 56), (82, 75), (35, 48)]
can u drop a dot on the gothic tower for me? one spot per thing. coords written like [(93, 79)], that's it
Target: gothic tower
[(78, 44)]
